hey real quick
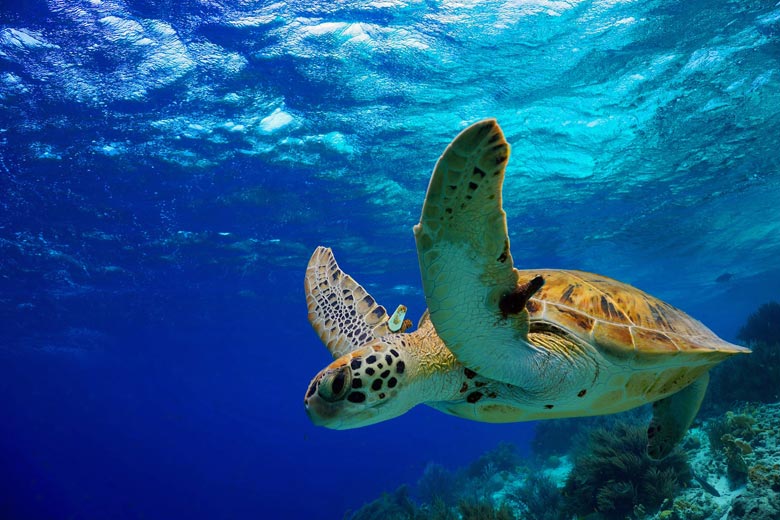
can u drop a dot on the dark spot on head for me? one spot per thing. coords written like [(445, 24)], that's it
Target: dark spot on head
[(394, 352), (389, 359), (371, 359), (473, 397), (377, 384), (479, 172), (464, 387), (382, 395), (384, 374), (469, 373), (370, 371), (492, 395), (338, 383), (355, 364), (356, 397), (392, 382), (581, 393), (473, 186), (380, 366), (548, 406), (449, 211), (400, 367), (357, 383), (479, 384)]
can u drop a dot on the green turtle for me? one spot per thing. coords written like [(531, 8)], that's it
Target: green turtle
[(498, 344)]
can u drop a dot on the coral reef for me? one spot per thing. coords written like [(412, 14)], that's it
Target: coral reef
[(390, 506), (555, 438), (614, 477), (484, 510), (539, 498), (727, 468), (503, 457), (437, 484), (763, 326), (754, 431), (751, 378), (729, 437)]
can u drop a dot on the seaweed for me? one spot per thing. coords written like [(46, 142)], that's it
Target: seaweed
[(763, 326), (541, 498), (503, 457), (614, 477), (484, 510), (390, 506), (751, 377), (438, 484)]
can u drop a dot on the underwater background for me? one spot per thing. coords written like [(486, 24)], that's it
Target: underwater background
[(167, 168)]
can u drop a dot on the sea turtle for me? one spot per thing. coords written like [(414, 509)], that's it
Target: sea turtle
[(499, 344)]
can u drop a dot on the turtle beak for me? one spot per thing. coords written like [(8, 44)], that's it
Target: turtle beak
[(321, 413)]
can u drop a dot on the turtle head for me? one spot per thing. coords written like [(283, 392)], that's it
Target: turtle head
[(366, 386)]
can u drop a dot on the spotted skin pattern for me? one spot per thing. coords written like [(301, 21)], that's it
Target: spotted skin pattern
[(344, 315), (501, 344)]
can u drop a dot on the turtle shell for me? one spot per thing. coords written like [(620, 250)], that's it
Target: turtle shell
[(620, 320)]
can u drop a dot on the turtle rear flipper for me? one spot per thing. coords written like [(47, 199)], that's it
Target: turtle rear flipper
[(342, 312), (672, 416)]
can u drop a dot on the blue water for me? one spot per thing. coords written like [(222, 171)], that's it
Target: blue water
[(167, 168)]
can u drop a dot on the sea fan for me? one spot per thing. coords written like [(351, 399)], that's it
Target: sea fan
[(613, 475)]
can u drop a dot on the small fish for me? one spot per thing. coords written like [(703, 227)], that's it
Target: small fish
[(725, 277), (706, 486)]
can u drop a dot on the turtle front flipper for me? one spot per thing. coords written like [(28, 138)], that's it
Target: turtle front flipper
[(475, 298), (672, 416), (344, 315)]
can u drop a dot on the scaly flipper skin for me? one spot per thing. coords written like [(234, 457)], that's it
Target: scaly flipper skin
[(502, 344), (672, 416), (332, 296), (467, 271)]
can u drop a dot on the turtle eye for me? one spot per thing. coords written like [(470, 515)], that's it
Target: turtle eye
[(334, 385)]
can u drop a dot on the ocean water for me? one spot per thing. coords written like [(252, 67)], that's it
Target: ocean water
[(167, 168)]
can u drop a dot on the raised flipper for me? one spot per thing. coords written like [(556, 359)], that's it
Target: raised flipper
[(469, 281), (344, 315), (672, 416)]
